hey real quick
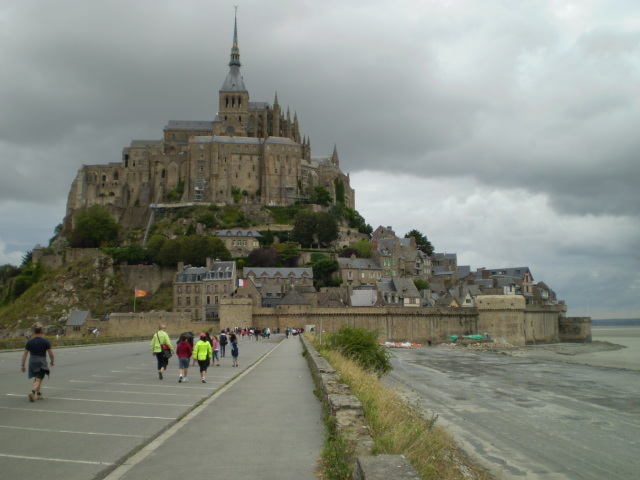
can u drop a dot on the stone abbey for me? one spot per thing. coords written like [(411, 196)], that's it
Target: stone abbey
[(252, 151)]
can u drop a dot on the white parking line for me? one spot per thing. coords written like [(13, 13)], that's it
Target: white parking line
[(73, 431), (162, 385), (109, 401), (128, 392), (48, 459), (86, 413)]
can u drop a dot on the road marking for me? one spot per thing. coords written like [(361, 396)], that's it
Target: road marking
[(73, 431), (138, 457), (86, 413), (48, 459), (128, 392), (109, 401), (163, 385)]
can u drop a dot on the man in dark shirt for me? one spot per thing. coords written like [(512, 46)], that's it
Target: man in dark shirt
[(38, 347)]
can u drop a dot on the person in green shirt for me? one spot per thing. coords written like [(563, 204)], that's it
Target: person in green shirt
[(202, 352), (159, 339)]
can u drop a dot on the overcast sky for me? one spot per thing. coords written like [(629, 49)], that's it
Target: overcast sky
[(505, 131)]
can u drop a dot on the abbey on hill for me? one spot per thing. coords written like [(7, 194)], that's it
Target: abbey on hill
[(250, 148)]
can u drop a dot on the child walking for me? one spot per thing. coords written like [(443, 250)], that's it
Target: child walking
[(234, 349)]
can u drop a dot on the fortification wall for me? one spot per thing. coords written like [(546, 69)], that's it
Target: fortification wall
[(541, 324), (574, 329), (145, 324), (147, 277), (59, 258), (501, 316)]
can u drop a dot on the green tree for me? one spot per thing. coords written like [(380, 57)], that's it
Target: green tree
[(326, 228), (363, 347), (323, 270), (263, 257), (421, 284), (208, 219), (94, 227), (322, 196), (288, 254), (422, 243), (304, 228), (363, 247)]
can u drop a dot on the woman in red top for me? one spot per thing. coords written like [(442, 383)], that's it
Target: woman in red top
[(184, 352)]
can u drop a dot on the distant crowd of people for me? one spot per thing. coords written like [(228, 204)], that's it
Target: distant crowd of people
[(207, 351)]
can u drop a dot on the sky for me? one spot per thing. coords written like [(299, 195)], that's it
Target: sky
[(505, 131)]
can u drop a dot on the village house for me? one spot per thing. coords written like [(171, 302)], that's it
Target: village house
[(198, 290), (239, 242)]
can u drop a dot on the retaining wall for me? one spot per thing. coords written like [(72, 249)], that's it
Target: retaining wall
[(349, 415)]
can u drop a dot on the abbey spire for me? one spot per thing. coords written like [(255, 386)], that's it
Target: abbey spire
[(233, 96), (235, 50)]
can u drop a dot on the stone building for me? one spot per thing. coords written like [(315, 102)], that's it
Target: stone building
[(359, 271), (399, 257), (198, 290), (249, 151), (239, 242)]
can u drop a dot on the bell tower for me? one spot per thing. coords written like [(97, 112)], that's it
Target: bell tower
[(233, 99)]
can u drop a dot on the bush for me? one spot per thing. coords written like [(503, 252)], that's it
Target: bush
[(362, 346)]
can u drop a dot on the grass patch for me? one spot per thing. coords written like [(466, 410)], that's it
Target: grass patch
[(337, 456), (397, 428)]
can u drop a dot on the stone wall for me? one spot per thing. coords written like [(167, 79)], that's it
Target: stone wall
[(501, 316), (574, 329), (58, 258), (144, 324), (147, 277), (348, 412)]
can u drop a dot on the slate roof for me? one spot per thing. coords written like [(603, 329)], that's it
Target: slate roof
[(293, 298), (221, 271), (406, 287), (284, 272), (238, 233), (364, 298), (77, 318), (516, 272), (359, 263), (191, 274), (463, 271), (234, 81)]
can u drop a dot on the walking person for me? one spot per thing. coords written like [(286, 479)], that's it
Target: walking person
[(202, 352), (223, 343), (234, 349), (184, 352), (215, 346), (38, 347), (159, 343)]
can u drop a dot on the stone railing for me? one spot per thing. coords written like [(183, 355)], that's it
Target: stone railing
[(349, 415)]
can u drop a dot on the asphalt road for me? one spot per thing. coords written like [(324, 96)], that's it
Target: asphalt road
[(102, 403), (524, 418)]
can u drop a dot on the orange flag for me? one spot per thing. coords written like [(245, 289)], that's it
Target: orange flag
[(141, 293)]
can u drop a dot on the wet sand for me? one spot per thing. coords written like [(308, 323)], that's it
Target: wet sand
[(612, 347)]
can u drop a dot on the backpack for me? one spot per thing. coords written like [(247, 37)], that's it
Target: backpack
[(223, 339)]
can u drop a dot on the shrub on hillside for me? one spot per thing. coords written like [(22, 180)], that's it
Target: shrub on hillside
[(362, 346)]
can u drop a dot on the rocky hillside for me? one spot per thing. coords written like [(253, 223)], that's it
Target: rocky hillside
[(93, 284)]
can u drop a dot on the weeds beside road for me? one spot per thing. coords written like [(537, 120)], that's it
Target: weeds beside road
[(396, 427)]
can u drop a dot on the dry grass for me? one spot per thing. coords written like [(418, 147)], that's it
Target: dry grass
[(397, 428)]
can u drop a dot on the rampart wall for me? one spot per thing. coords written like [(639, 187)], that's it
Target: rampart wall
[(505, 317), (145, 324), (502, 317)]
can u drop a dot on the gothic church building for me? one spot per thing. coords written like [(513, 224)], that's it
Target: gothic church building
[(252, 149)]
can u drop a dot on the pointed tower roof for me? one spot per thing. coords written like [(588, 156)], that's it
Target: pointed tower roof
[(234, 81)]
